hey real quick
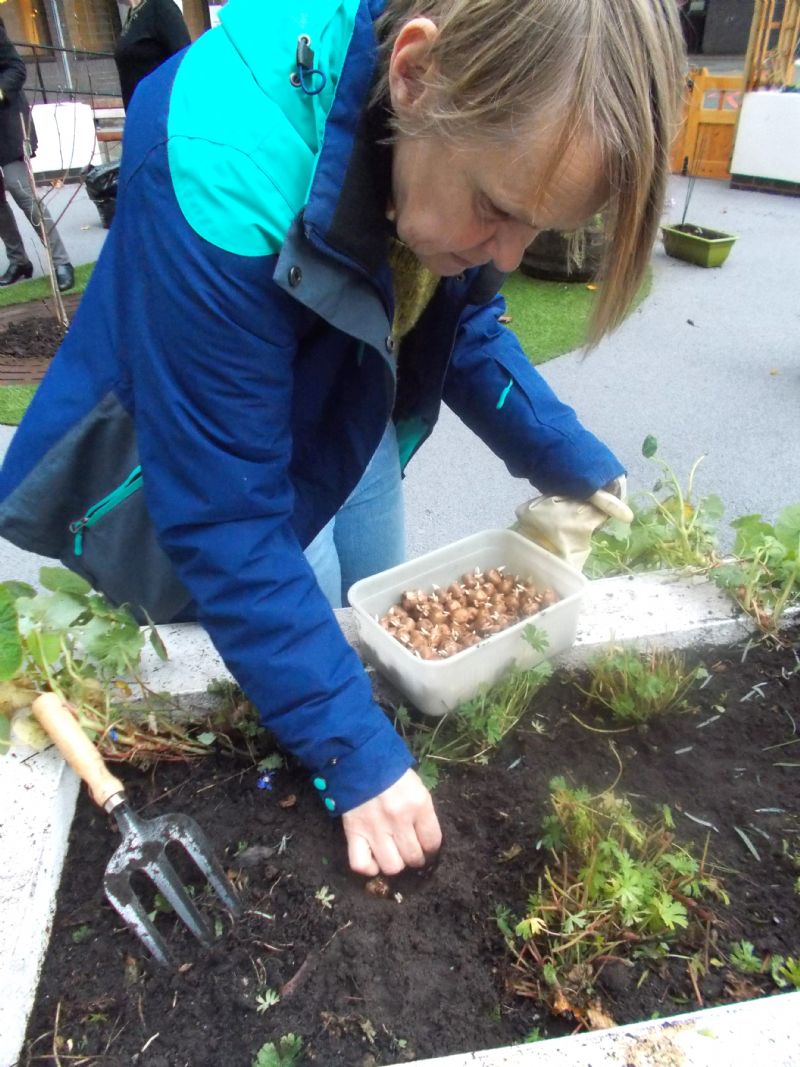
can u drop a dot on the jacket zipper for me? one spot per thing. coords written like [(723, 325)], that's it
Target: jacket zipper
[(102, 507)]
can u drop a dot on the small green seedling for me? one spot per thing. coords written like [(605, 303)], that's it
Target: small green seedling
[(639, 687), (744, 959), (533, 1035), (325, 897), (266, 1000), (283, 1053), (785, 972), (273, 762), (81, 933)]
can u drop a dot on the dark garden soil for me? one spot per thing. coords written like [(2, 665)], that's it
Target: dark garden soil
[(29, 337), (33, 338), (369, 980)]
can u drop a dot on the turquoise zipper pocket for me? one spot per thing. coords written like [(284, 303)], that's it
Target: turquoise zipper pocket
[(102, 507)]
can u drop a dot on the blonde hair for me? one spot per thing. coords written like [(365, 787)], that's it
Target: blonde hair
[(612, 69)]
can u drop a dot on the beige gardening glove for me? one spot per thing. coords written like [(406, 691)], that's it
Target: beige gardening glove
[(565, 526)]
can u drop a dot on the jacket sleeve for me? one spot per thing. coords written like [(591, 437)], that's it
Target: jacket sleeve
[(12, 68), (493, 388), (211, 342)]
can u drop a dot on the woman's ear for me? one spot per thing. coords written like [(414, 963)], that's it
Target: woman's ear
[(409, 66)]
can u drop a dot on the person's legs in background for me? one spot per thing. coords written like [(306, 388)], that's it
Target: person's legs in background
[(17, 183), (367, 534), (19, 266)]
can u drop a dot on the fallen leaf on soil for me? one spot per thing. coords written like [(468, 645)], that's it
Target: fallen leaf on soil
[(593, 1015), (599, 1019), (740, 987)]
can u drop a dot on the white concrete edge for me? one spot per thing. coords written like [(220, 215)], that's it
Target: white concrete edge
[(37, 794), (648, 609), (734, 1035)]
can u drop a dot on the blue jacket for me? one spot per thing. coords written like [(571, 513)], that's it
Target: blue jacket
[(230, 371)]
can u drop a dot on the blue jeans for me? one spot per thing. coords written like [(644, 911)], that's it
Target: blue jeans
[(367, 534)]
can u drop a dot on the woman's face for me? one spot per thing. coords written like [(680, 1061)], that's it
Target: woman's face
[(459, 207)]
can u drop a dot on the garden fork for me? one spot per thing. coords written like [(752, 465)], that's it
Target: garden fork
[(144, 841)]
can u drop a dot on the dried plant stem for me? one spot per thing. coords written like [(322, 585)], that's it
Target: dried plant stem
[(60, 311)]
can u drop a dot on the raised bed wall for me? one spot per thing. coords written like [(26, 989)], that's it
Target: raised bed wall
[(38, 798)]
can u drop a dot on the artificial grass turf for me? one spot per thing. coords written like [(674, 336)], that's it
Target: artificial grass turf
[(551, 318), (39, 288), (14, 399)]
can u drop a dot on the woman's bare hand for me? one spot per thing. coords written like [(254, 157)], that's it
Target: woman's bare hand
[(396, 829)]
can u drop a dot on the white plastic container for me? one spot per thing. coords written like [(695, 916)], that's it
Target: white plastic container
[(438, 686)]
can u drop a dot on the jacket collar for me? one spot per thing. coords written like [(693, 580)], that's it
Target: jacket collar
[(345, 214), (346, 207)]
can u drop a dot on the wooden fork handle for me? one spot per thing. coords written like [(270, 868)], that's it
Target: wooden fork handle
[(66, 733)]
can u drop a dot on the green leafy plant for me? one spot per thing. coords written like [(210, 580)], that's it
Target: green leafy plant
[(637, 687), (281, 1053), (671, 527), (472, 732), (744, 959), (614, 885), (71, 641), (765, 575), (785, 972)]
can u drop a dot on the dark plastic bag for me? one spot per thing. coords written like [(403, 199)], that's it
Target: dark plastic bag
[(101, 185)]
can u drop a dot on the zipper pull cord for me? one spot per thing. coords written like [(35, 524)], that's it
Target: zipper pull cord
[(102, 507), (304, 62)]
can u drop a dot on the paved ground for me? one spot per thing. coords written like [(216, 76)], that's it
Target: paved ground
[(77, 221), (710, 364)]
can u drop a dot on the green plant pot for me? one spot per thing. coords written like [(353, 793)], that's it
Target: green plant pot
[(705, 248)]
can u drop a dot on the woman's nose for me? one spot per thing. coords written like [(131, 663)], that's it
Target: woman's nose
[(508, 245)]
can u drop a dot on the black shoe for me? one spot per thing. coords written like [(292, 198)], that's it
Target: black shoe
[(65, 276), (15, 272)]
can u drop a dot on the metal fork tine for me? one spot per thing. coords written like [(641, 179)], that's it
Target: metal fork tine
[(186, 832), (166, 880), (131, 910), (143, 846)]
